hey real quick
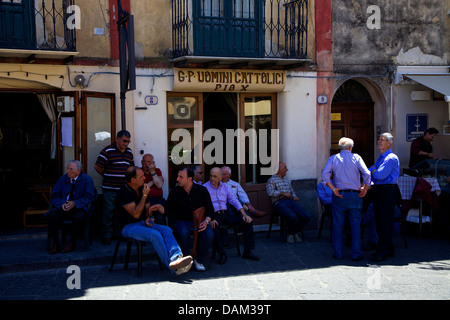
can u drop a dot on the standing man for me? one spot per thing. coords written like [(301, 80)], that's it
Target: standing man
[(135, 216), (385, 174), (284, 201), (221, 195), (111, 164), (421, 147), (184, 199), (71, 198), (346, 169), (240, 193)]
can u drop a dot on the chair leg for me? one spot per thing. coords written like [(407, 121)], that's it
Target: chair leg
[(116, 250), (160, 264), (270, 225), (139, 257), (127, 256), (236, 239), (283, 228), (321, 225)]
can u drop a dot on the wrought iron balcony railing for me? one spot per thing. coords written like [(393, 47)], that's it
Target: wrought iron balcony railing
[(38, 25), (240, 28)]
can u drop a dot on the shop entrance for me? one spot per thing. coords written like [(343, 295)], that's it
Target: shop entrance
[(25, 155), (38, 138), (217, 113)]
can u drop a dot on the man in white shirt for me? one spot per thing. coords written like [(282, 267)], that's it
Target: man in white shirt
[(240, 193)]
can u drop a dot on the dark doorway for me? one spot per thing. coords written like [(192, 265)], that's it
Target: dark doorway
[(220, 113), (352, 117), (25, 159)]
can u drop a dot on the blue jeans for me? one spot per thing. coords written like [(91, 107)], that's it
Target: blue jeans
[(184, 230), (296, 216), (160, 236), (350, 205)]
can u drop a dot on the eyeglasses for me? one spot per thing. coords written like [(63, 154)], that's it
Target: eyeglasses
[(125, 141)]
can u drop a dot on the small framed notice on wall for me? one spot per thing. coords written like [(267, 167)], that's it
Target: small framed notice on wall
[(416, 124)]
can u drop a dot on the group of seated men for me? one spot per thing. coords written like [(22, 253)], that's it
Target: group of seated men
[(223, 201)]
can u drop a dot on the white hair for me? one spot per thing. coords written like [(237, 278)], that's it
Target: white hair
[(389, 137), (346, 143)]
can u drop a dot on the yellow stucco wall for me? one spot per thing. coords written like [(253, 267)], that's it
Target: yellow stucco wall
[(153, 29)]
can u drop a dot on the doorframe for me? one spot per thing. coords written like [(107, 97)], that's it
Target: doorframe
[(198, 96), (241, 121), (83, 120), (76, 115)]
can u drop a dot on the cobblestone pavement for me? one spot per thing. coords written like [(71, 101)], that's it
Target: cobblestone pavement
[(300, 271)]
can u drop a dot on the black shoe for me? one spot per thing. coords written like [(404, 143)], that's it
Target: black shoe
[(223, 258), (250, 256)]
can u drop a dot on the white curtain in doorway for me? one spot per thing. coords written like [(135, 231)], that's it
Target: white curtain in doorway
[(48, 102)]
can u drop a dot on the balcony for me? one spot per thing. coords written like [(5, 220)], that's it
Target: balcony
[(240, 32), (37, 27)]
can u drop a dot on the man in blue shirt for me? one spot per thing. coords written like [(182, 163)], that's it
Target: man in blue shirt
[(347, 169), (385, 174)]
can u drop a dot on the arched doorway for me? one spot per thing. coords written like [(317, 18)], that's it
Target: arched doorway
[(352, 116)]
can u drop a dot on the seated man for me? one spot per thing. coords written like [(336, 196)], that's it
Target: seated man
[(240, 193), (185, 198), (154, 179), (284, 201), (135, 215), (70, 198), (198, 174), (221, 195)]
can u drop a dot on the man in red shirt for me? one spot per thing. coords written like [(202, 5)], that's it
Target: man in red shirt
[(154, 179), (421, 148)]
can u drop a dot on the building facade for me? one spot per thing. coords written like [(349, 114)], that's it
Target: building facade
[(206, 68), (272, 75)]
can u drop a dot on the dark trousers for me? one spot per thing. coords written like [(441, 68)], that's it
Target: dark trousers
[(384, 201), (228, 218), (56, 219)]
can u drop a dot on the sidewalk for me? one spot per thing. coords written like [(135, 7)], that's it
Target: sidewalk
[(298, 271)]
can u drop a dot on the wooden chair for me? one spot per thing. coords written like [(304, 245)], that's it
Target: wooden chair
[(139, 245), (236, 235), (283, 225)]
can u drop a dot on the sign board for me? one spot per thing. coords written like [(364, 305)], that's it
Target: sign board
[(336, 116), (416, 124), (225, 80)]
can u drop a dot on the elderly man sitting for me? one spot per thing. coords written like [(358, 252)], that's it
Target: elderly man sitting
[(70, 198), (221, 195), (240, 193)]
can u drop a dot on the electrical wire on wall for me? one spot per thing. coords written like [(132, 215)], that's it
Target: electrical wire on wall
[(161, 75)]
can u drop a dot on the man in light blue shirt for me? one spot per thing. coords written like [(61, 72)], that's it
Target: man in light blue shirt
[(221, 195), (347, 169), (385, 174)]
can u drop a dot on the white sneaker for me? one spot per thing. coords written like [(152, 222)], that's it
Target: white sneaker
[(199, 266), (183, 270), (290, 239), (180, 262), (297, 238)]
